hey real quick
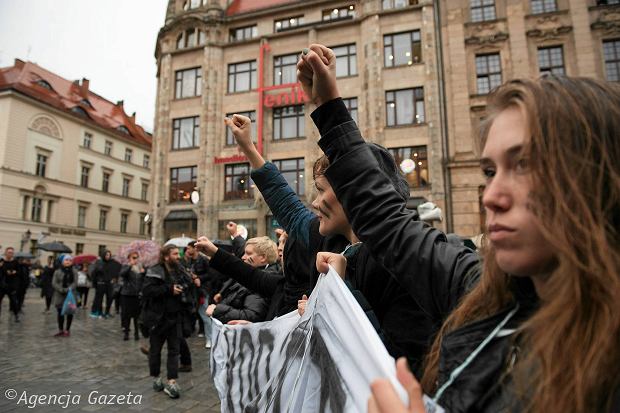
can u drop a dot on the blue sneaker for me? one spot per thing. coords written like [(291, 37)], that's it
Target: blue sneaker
[(94, 315), (158, 384)]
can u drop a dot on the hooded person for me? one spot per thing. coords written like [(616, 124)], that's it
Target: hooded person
[(104, 275), (64, 279)]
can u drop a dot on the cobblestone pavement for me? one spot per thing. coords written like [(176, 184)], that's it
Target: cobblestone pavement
[(88, 367)]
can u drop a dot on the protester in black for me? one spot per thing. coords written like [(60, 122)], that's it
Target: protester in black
[(10, 279), (132, 276), (167, 307), (47, 291), (104, 272)]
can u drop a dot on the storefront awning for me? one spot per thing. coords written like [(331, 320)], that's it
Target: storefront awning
[(181, 215)]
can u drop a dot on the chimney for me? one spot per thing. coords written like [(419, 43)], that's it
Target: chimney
[(19, 63), (84, 86), (133, 117), (119, 103)]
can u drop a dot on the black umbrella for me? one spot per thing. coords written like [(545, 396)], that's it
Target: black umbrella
[(24, 255), (54, 247)]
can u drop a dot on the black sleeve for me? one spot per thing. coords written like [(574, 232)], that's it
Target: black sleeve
[(433, 271), (154, 287), (238, 244), (254, 309), (255, 279)]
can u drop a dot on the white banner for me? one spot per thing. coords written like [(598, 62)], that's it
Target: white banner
[(321, 362)]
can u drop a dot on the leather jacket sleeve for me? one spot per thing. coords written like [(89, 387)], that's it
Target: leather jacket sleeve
[(436, 273)]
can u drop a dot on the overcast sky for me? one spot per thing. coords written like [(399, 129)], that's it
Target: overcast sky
[(110, 42)]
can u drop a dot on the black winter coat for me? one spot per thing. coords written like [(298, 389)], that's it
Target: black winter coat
[(131, 281), (268, 284), (436, 273), (239, 303)]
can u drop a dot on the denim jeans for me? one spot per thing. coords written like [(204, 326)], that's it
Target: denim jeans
[(207, 321)]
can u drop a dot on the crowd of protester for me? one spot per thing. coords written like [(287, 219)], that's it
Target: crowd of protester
[(530, 322)]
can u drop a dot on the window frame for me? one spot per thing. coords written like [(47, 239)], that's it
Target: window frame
[(415, 101), (146, 160), (179, 82), (176, 186), (41, 165), (551, 68), (107, 148), (233, 32), (279, 68), (541, 6), (230, 140), (235, 74), (300, 185), (128, 154), (144, 191), (615, 61), (103, 219), (81, 218), (351, 59), (419, 154), (84, 177), (483, 6), (126, 187), (348, 102), (231, 173), (105, 182), (176, 133), (36, 209), (124, 222), (414, 44), (87, 140), (328, 14), (490, 77), (280, 116)]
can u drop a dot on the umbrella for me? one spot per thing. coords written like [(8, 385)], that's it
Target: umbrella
[(54, 247), (180, 242), (81, 259), (147, 250), (24, 255)]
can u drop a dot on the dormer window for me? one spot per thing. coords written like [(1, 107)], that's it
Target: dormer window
[(85, 102), (123, 129), (44, 84), (194, 4), (79, 111)]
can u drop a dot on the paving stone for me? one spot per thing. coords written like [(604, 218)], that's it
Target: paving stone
[(94, 361)]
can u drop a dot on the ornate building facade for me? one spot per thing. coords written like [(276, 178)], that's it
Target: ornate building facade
[(74, 167)]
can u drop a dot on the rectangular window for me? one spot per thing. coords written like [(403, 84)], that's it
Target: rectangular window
[(397, 4), (126, 183), (287, 23), (182, 183), (81, 219), (79, 248), (105, 183), (402, 49), (413, 163), (293, 172), (543, 6), (488, 72), (128, 154), (25, 207), (289, 122), (243, 33), (185, 133), (351, 104), (230, 139), (144, 193), (607, 2), (611, 54), (405, 107), (88, 140), (107, 150), (84, 176), (50, 210), (242, 76), (103, 219), (285, 69), (41, 164), (237, 182), (146, 161), (142, 226), (482, 10), (124, 219), (551, 60), (35, 211), (188, 83), (346, 60), (342, 12)]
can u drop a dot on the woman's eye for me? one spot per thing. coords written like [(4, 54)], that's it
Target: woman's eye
[(488, 172), (522, 165)]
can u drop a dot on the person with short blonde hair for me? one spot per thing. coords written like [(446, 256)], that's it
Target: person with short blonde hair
[(260, 251)]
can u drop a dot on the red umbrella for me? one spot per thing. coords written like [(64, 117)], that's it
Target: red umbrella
[(81, 259)]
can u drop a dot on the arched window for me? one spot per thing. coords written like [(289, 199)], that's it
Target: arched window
[(44, 84), (46, 126), (194, 4), (180, 41), (79, 111), (86, 103), (123, 129)]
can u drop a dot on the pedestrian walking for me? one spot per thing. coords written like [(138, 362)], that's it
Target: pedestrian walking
[(105, 271), (65, 279), (10, 278), (132, 276), (47, 290)]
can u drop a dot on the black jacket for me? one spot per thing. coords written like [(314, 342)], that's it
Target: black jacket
[(159, 302), (268, 284), (238, 246), (131, 281), (239, 303), (434, 272), (105, 271)]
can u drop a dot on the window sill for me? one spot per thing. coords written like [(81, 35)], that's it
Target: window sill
[(347, 76), (298, 138), (401, 66), (545, 14), (492, 21), (186, 98), (184, 149), (408, 125), (240, 92)]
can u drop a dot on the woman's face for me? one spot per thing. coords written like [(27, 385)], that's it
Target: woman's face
[(329, 210), (512, 227), (67, 262)]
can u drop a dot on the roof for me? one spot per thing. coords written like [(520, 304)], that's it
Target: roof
[(247, 6), (74, 98)]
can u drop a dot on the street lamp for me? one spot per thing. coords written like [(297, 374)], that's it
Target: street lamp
[(25, 238)]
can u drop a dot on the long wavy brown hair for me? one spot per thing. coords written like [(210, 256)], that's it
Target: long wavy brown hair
[(571, 358)]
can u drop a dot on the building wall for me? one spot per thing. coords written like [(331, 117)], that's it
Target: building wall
[(579, 26), (369, 86), (24, 133)]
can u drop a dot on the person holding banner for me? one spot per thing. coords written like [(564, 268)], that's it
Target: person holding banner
[(535, 326), (64, 279)]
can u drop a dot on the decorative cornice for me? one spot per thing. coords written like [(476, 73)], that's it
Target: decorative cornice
[(608, 21), (552, 33), (490, 39)]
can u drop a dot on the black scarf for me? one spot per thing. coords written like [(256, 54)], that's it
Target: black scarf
[(67, 276)]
